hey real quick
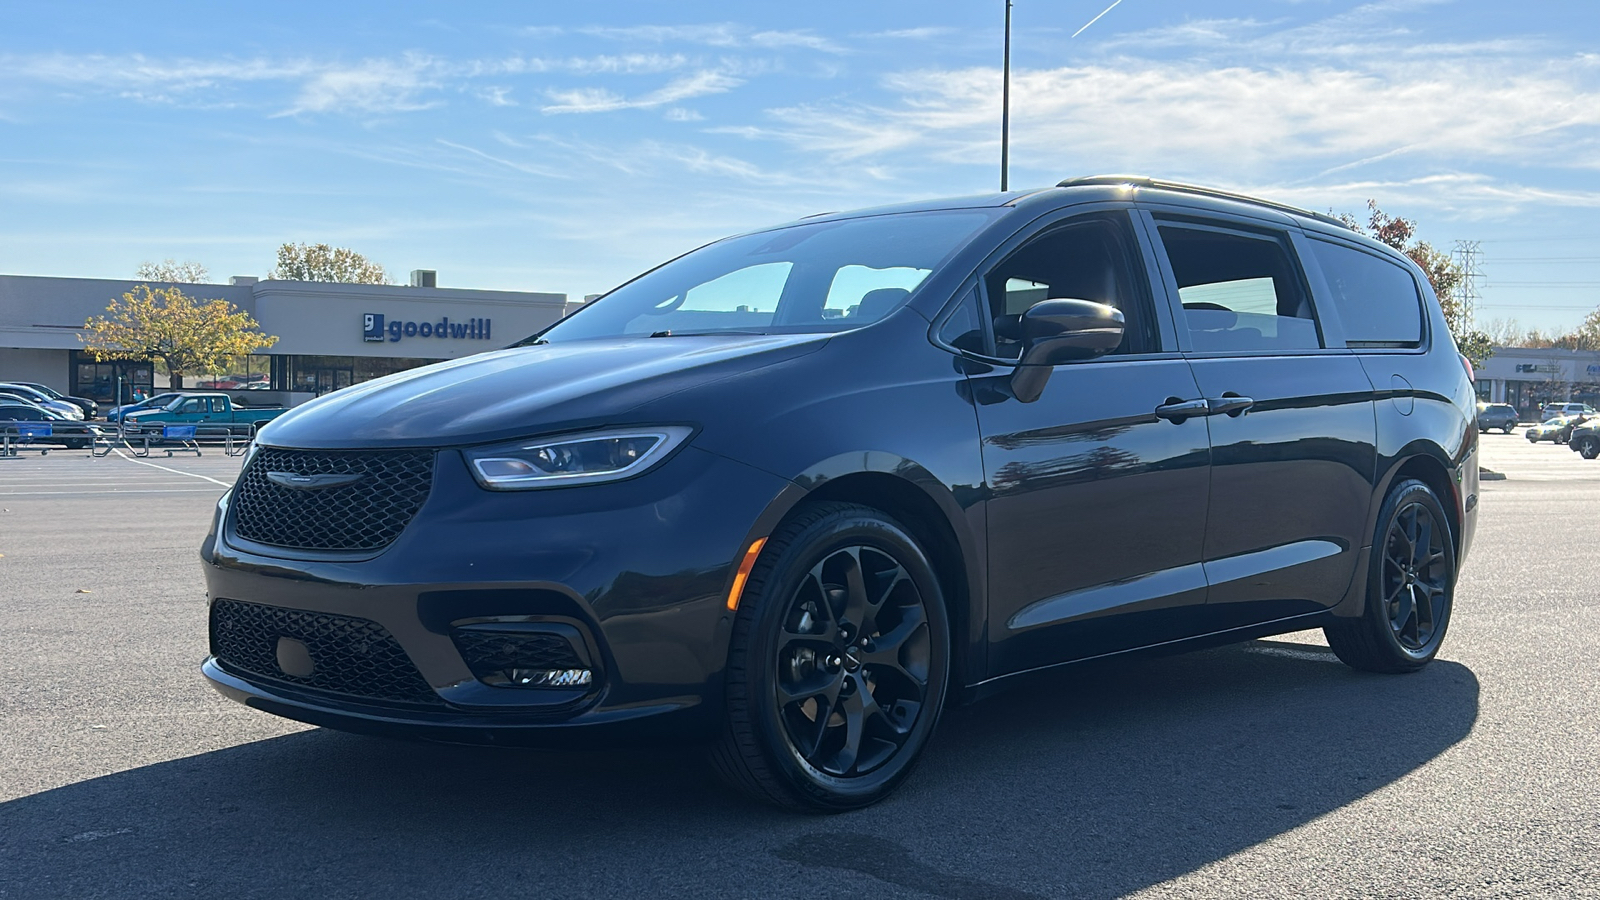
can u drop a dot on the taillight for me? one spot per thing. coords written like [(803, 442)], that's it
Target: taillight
[(1467, 364)]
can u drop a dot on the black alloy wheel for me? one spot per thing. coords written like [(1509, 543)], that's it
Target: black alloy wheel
[(1411, 587), (839, 664)]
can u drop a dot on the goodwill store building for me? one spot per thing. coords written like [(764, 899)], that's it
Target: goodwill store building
[(329, 335)]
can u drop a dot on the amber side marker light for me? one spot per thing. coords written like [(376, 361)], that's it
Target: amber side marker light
[(745, 565)]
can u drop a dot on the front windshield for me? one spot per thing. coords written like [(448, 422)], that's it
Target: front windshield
[(823, 276)]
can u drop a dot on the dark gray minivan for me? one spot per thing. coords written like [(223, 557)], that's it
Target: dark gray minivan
[(793, 492)]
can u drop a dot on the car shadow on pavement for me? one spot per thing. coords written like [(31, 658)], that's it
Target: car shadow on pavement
[(1092, 782)]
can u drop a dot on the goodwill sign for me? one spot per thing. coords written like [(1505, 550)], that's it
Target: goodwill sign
[(375, 330)]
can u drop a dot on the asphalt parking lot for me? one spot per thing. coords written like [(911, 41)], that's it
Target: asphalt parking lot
[(1262, 770)]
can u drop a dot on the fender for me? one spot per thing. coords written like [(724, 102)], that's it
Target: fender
[(817, 478)]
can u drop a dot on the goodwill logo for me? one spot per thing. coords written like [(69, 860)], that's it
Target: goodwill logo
[(375, 330)]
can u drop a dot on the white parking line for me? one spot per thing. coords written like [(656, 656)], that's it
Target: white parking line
[(174, 471), (70, 493)]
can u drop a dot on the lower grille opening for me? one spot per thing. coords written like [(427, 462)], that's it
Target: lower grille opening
[(319, 651), (525, 654)]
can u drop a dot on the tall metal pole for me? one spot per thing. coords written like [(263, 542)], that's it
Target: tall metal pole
[(1005, 107)]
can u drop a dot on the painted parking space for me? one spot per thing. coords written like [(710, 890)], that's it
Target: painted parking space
[(77, 473), (1516, 458)]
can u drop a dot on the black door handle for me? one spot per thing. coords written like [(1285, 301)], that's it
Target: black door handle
[(1175, 410), (1230, 403)]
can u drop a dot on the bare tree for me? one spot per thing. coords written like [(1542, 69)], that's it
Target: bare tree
[(172, 271), (1505, 332)]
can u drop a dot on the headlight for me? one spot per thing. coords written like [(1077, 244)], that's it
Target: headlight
[(567, 460)]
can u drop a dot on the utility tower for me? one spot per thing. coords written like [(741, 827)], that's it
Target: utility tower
[(1466, 255)]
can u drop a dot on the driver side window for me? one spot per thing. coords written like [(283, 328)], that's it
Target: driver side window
[(1084, 260)]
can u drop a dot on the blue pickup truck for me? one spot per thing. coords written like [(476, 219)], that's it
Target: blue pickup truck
[(210, 411)]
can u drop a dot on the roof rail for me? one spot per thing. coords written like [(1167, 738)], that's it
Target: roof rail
[(1148, 182)]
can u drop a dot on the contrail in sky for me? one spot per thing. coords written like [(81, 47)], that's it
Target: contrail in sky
[(1096, 19)]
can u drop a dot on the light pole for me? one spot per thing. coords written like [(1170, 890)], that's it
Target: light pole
[(1005, 107)]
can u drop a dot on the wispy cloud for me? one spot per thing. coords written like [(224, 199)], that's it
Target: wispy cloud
[(379, 85), (725, 34), (594, 100), (408, 82), (1249, 104)]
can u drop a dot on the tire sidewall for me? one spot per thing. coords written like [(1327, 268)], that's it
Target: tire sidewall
[(814, 543), (1403, 495)]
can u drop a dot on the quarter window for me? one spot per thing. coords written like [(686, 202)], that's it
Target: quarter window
[(1377, 300), (1239, 292)]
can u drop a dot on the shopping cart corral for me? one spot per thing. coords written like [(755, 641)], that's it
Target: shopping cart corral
[(170, 439), (44, 436)]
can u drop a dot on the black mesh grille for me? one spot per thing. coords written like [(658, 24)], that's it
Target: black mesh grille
[(366, 514), (349, 655), (489, 653)]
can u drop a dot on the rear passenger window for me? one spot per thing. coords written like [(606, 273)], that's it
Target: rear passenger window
[(1377, 300), (1239, 292)]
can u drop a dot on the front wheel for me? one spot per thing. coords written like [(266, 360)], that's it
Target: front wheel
[(1411, 584), (1589, 447), (839, 664)]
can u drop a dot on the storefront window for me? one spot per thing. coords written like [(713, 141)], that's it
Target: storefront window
[(242, 373), (321, 374), (112, 381)]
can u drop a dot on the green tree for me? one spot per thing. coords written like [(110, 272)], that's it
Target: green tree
[(320, 262), (1442, 271), (166, 326), (186, 272)]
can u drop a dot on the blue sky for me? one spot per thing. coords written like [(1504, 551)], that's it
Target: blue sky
[(546, 146)]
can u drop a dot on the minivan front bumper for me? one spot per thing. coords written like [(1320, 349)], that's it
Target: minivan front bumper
[(633, 576)]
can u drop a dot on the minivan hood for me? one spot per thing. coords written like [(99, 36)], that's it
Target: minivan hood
[(508, 394)]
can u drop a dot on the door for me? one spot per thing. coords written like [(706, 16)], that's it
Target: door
[(194, 409), (1097, 505), (332, 380), (1292, 424)]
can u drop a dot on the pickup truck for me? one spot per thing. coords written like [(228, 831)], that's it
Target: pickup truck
[(205, 410)]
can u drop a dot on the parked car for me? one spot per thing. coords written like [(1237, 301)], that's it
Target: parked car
[(210, 410), (792, 492), (1585, 439), (1554, 410), (1497, 415), (1557, 430), (74, 434), (115, 413), (1544, 431), (68, 410), (90, 408)]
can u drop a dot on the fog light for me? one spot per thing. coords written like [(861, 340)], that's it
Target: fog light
[(549, 677)]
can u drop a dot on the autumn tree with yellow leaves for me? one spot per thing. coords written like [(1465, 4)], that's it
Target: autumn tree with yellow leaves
[(166, 325)]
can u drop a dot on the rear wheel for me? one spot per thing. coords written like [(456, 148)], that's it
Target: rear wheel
[(1411, 583), (1589, 447), (839, 663)]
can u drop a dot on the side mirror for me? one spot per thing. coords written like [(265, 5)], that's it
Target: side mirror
[(1056, 331)]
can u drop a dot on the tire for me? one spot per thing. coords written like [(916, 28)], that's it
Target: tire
[(795, 632), (1589, 447), (1408, 602), (1509, 428)]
